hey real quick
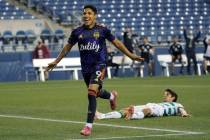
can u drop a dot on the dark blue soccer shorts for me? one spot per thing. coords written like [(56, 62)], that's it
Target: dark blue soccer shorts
[(95, 77)]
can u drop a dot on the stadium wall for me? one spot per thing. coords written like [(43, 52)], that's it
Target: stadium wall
[(17, 66)]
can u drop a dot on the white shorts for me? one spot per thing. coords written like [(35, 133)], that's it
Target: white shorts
[(156, 109)]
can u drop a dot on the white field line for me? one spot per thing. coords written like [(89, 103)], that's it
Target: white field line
[(98, 124), (144, 136), (116, 86)]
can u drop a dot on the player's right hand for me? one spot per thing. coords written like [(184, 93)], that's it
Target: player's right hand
[(185, 115), (128, 112), (51, 66), (137, 58)]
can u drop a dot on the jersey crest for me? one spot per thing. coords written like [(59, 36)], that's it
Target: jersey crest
[(96, 35)]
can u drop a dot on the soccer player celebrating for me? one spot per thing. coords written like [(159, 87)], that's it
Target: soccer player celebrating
[(169, 107), (91, 39)]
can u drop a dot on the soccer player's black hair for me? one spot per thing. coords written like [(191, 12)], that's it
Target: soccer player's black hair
[(93, 8), (173, 94)]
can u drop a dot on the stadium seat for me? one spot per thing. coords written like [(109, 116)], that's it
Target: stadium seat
[(10, 12), (7, 37), (151, 15), (59, 38), (20, 36), (65, 19), (46, 34), (30, 72), (59, 34), (8, 41), (20, 41), (31, 37)]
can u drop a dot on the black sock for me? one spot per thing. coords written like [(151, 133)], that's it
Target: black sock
[(104, 94), (91, 108)]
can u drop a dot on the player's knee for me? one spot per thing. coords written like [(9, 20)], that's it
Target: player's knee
[(92, 92)]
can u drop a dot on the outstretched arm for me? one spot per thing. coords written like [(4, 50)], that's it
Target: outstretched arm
[(183, 112), (118, 44), (205, 41), (185, 34), (64, 51), (198, 35), (205, 44)]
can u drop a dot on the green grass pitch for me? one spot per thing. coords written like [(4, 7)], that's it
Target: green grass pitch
[(56, 110)]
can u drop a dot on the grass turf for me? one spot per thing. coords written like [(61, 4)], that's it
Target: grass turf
[(67, 100)]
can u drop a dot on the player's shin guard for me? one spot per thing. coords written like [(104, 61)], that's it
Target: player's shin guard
[(104, 94), (91, 106)]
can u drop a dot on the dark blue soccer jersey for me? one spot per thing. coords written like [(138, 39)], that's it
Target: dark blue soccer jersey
[(176, 49), (145, 50), (92, 45)]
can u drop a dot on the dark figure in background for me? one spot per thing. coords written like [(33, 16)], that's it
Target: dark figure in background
[(147, 52), (128, 42), (190, 50), (1, 43), (127, 38), (176, 51), (41, 50), (206, 55), (110, 55)]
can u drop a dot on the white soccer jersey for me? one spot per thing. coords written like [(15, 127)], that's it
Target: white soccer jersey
[(160, 109), (171, 108)]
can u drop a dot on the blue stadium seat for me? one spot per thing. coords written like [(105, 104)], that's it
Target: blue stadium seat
[(59, 38), (8, 45), (31, 36), (151, 14), (59, 34), (9, 11), (46, 34), (30, 72), (20, 37), (20, 34), (7, 37)]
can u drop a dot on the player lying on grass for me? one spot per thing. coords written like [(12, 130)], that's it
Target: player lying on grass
[(169, 107)]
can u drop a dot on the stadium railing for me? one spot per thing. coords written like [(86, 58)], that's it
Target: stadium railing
[(165, 61), (66, 64), (127, 64), (73, 64)]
